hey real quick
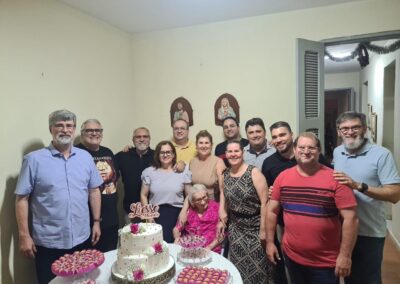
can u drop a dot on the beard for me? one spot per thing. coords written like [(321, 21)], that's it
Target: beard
[(141, 146), (288, 147), (353, 144), (63, 139)]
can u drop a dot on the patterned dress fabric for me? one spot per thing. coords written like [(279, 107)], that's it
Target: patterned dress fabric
[(245, 250)]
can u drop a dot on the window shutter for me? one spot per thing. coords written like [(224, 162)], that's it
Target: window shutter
[(310, 88)]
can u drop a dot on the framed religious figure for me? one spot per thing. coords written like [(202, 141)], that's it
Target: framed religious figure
[(226, 106), (181, 109)]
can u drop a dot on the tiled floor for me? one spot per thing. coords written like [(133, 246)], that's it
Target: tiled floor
[(391, 263)]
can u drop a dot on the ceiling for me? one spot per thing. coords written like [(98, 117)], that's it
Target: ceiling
[(135, 16), (138, 16), (341, 50)]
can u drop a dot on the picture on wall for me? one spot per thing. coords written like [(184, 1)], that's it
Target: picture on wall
[(374, 122), (226, 106), (369, 106), (181, 109)]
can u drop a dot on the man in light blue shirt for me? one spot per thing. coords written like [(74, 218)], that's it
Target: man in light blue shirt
[(371, 172), (55, 185)]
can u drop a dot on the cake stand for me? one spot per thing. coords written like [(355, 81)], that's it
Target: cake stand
[(78, 265), (164, 276)]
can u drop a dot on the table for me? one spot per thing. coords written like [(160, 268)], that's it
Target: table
[(102, 275)]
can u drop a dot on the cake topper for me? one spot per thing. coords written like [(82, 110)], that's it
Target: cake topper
[(148, 211)]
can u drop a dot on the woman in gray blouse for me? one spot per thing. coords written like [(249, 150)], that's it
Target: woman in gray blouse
[(163, 187)]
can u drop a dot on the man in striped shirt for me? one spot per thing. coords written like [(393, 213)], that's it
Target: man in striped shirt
[(319, 215)]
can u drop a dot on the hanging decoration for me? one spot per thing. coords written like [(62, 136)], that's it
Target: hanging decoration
[(362, 53), (363, 56)]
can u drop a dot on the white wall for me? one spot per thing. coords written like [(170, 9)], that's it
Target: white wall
[(52, 56), (252, 58)]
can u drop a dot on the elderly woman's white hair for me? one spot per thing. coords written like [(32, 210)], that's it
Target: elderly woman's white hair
[(196, 188)]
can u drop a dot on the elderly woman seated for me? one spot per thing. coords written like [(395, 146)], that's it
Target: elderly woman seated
[(202, 219)]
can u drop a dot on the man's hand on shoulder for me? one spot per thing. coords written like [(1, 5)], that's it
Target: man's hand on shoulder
[(127, 148), (179, 167), (342, 178)]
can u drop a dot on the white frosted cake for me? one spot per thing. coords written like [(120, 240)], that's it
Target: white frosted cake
[(142, 252)]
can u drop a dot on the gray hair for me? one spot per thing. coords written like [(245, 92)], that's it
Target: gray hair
[(90, 120), (61, 115), (350, 115), (141, 128), (196, 188)]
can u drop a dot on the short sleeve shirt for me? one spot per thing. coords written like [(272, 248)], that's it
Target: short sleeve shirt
[(185, 153), (375, 166), (250, 157), (166, 187), (311, 214), (58, 190)]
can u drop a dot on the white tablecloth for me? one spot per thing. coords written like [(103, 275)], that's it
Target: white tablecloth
[(102, 275)]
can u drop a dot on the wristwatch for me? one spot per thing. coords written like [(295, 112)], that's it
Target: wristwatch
[(363, 187), (98, 220)]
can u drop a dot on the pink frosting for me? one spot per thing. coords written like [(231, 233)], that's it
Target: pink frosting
[(79, 262)]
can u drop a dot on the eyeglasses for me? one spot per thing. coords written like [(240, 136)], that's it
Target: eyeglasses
[(355, 128), (198, 200), (166, 153), (60, 126), (93, 130), (311, 149), (180, 128), (141, 137)]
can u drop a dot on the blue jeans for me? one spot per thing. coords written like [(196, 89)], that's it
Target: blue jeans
[(300, 274), (367, 261)]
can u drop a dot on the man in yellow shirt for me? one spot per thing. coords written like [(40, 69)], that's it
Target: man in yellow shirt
[(185, 149)]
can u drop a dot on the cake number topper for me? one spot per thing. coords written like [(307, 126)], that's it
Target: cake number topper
[(148, 211)]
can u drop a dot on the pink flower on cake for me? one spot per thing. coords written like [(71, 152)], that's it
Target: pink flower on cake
[(138, 274), (158, 248), (135, 228)]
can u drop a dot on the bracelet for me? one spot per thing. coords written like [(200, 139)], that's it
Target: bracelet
[(98, 220)]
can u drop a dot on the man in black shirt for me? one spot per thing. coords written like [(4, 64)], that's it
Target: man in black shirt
[(131, 164), (231, 130), (91, 137), (283, 158)]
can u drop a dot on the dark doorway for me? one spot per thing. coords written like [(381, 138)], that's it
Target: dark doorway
[(336, 102)]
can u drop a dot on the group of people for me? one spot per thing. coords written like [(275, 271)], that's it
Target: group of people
[(284, 210)]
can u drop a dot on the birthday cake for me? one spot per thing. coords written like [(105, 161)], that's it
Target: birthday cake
[(193, 251), (142, 253)]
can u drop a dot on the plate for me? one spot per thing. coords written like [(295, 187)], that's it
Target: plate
[(185, 256), (189, 281), (77, 263)]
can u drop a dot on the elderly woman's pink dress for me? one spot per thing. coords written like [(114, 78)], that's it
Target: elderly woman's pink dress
[(205, 225)]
